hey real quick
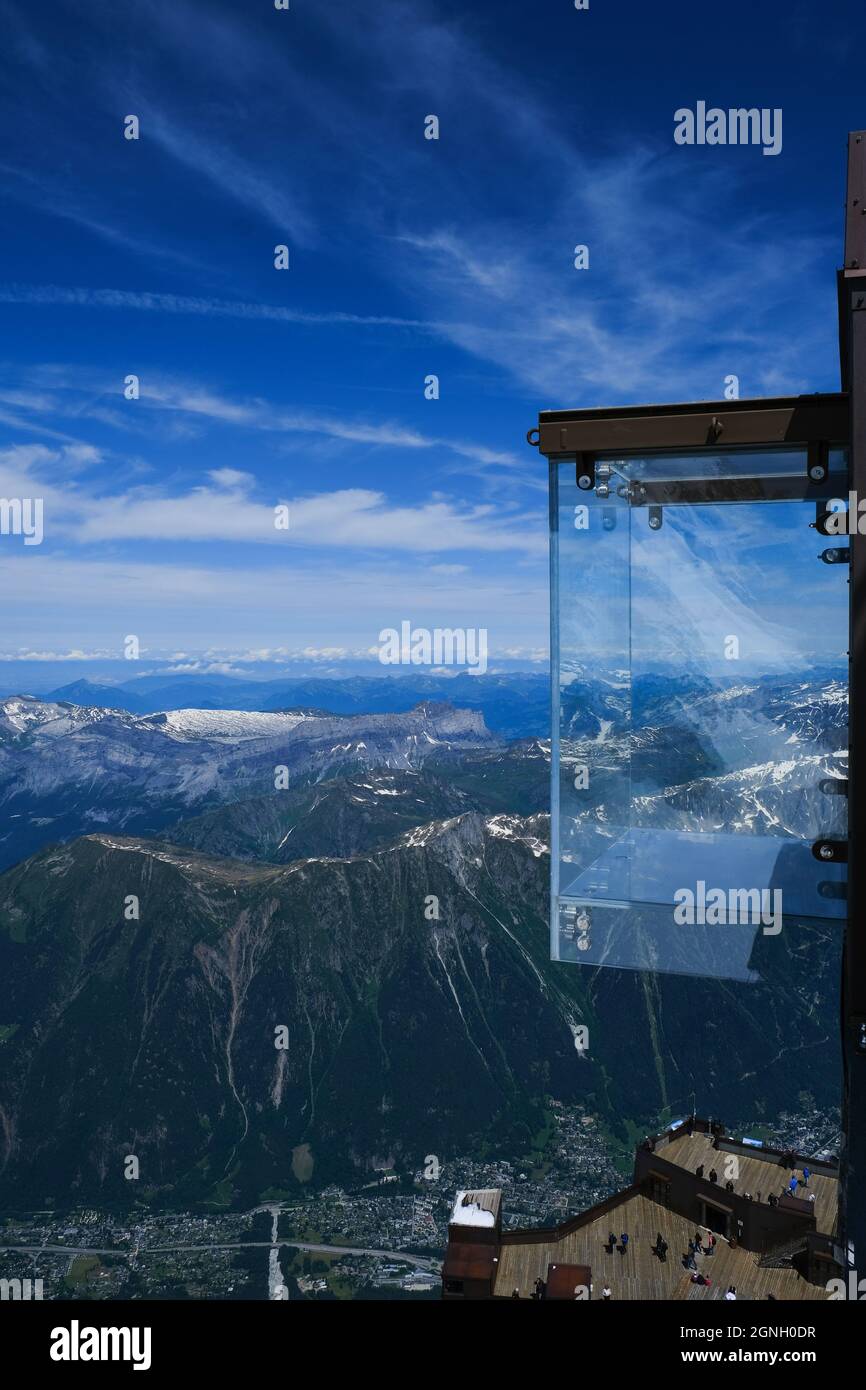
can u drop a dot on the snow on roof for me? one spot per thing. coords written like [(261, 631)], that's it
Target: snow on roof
[(477, 1208)]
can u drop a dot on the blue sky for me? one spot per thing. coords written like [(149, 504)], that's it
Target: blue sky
[(408, 257)]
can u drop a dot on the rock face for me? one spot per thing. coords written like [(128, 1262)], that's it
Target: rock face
[(407, 1034), (385, 917), (67, 769), (337, 818), (156, 1036)]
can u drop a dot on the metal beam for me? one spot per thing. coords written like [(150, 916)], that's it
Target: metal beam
[(852, 345), (855, 203), (794, 420), (660, 492)]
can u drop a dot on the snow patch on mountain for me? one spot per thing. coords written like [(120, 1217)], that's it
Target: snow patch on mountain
[(223, 725)]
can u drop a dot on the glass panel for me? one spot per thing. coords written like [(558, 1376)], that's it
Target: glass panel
[(700, 710)]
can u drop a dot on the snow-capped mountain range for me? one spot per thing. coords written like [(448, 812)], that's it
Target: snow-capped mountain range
[(49, 719), (309, 906), (69, 769)]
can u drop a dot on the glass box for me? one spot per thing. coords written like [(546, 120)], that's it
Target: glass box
[(699, 634)]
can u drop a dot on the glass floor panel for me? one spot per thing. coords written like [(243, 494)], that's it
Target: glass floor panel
[(648, 867)]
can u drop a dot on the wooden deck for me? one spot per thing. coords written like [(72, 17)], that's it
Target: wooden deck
[(756, 1175), (639, 1274)]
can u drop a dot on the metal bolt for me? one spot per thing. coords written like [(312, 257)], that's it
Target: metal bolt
[(602, 490), (655, 523), (817, 472), (584, 481), (825, 852)]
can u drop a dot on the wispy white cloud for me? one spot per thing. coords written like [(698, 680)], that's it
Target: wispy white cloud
[(260, 415), (499, 287), (227, 510), (353, 517), (148, 301), (83, 394), (235, 177), (74, 654), (55, 198)]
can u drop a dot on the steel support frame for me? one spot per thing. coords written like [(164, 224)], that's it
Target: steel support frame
[(852, 352), (772, 422)]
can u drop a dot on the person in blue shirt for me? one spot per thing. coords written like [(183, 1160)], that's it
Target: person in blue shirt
[(806, 1176), (793, 1185)]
